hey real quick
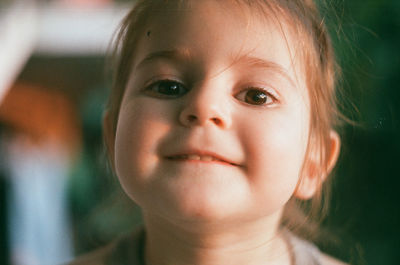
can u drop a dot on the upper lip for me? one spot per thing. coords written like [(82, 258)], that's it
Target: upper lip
[(202, 153)]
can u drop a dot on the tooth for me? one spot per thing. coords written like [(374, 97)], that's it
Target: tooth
[(193, 157), (179, 157), (206, 158)]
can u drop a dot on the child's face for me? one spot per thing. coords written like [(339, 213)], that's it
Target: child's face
[(209, 82)]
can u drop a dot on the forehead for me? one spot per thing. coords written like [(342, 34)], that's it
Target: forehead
[(220, 32)]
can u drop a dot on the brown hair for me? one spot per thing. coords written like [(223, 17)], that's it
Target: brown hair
[(319, 66)]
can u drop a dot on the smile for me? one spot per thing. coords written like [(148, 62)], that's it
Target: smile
[(199, 158)]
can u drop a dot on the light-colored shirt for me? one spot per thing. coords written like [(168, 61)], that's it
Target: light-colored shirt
[(128, 250)]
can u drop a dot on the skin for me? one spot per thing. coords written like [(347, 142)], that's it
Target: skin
[(223, 64)]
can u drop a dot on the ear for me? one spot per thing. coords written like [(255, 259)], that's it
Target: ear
[(311, 180), (109, 138)]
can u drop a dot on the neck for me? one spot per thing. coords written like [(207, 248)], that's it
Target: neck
[(251, 243)]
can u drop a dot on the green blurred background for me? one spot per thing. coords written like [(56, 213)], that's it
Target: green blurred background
[(364, 210), (366, 194)]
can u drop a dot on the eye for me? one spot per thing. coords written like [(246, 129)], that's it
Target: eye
[(256, 96), (166, 89)]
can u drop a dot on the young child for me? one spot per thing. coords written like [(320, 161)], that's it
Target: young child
[(221, 118)]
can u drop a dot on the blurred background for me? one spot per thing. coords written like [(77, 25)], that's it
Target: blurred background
[(58, 198)]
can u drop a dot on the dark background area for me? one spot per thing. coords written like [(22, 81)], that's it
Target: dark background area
[(366, 192), (365, 209)]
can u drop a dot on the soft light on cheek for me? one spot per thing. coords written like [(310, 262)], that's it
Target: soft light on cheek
[(139, 130), (288, 129), (276, 142)]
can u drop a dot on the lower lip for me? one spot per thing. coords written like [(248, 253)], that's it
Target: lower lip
[(218, 162)]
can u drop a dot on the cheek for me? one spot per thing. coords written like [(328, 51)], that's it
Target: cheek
[(275, 146), (139, 130)]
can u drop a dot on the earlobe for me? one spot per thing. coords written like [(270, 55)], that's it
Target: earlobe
[(312, 175), (109, 138)]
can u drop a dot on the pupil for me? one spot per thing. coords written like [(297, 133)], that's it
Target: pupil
[(256, 97), (169, 88)]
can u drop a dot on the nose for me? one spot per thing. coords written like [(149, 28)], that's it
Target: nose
[(205, 106)]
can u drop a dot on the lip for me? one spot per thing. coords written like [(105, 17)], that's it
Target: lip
[(188, 155)]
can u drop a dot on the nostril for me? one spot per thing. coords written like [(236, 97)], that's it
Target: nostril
[(217, 121), (191, 118)]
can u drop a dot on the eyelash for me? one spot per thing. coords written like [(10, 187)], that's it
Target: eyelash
[(151, 90), (267, 98)]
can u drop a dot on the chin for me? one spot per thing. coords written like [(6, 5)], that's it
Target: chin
[(205, 211), (204, 207)]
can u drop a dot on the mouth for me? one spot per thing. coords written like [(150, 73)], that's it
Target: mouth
[(205, 158)]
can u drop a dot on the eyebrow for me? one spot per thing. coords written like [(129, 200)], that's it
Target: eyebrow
[(181, 55), (170, 55), (261, 63)]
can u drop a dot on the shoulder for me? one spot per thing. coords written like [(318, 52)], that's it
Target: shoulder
[(305, 252), (127, 248), (97, 257), (328, 260)]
